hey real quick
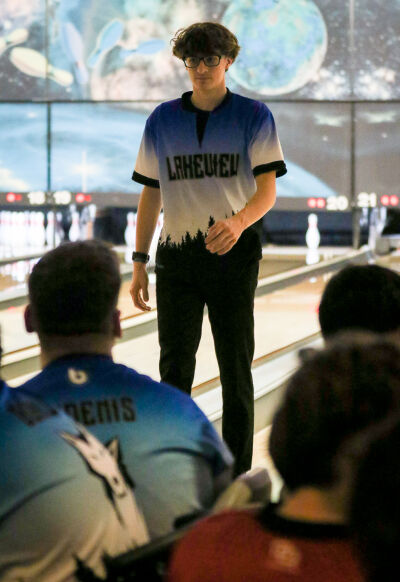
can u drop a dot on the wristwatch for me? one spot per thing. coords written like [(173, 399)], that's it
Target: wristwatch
[(140, 257)]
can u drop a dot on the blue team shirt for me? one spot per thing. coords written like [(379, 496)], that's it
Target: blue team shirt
[(173, 455), (206, 176), (57, 516)]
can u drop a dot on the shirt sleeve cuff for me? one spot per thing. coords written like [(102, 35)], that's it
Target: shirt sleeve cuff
[(279, 167), (136, 177)]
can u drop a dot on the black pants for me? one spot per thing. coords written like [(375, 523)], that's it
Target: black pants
[(187, 279)]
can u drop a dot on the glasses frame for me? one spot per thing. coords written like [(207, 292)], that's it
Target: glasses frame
[(202, 59)]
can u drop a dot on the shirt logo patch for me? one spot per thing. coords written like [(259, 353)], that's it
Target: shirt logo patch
[(78, 377), (201, 165)]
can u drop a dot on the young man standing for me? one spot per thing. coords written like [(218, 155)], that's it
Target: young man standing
[(210, 159)]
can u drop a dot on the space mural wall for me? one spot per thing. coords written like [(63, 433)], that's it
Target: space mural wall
[(78, 79)]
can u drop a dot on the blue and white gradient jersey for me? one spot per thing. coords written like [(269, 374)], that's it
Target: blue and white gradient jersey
[(206, 162), (172, 453), (59, 514)]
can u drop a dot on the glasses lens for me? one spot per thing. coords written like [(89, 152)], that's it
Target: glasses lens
[(212, 60), (209, 61), (191, 62)]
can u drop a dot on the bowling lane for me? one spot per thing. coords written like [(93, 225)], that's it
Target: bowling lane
[(281, 318), (14, 336), (269, 265), (276, 327)]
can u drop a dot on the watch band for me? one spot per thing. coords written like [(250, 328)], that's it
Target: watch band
[(140, 257)]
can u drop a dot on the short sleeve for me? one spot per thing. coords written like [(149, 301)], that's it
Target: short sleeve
[(264, 147), (146, 167)]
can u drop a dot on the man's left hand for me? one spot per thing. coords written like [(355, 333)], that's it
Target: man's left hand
[(223, 235)]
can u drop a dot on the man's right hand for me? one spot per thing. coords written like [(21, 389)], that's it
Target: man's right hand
[(139, 288)]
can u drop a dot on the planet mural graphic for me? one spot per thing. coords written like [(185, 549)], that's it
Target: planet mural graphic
[(283, 42)]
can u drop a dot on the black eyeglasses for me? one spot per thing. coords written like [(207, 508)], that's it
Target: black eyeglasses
[(209, 61)]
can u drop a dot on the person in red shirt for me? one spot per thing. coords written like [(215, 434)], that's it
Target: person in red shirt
[(337, 392)]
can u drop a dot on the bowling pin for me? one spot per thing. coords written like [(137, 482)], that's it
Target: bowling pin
[(7, 269), (60, 233), (2, 233), (36, 238), (50, 229), (312, 234), (7, 233), (312, 240), (75, 230), (14, 271), (90, 221), (130, 230), (21, 271), (13, 229), (40, 230), (16, 234), (52, 234), (83, 223), (73, 48), (108, 37), (22, 229), (17, 36), (31, 229), (33, 63), (3, 222), (25, 227)]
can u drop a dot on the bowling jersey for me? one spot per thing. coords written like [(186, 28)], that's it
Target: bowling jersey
[(57, 519), (238, 545), (205, 163), (173, 455)]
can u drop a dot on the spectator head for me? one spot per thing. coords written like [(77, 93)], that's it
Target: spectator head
[(205, 38), (352, 384), (73, 292), (364, 297), (374, 507)]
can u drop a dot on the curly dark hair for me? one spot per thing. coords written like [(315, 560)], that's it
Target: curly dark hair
[(205, 38), (347, 387), (74, 288), (374, 507)]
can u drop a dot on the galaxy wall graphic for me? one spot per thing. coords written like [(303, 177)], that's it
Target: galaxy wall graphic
[(103, 66)]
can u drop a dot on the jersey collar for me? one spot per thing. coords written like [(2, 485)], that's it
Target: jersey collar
[(187, 104), (76, 358), (278, 524)]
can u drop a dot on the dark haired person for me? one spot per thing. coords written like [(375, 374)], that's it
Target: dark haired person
[(363, 297), (170, 451), (374, 508), (350, 386), (210, 159)]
